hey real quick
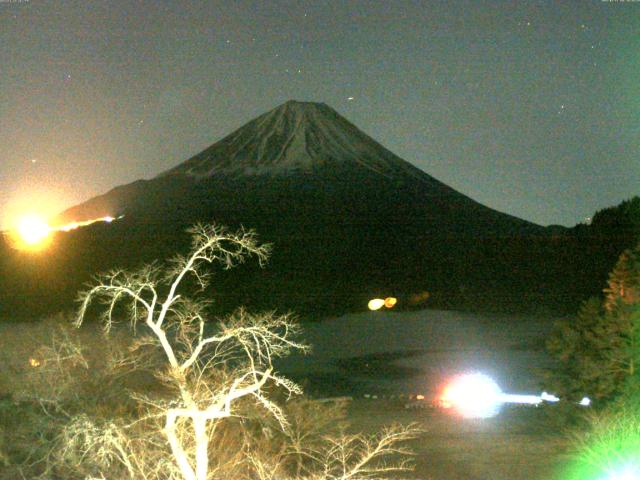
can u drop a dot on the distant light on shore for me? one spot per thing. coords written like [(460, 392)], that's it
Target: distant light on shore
[(74, 225), (375, 304), (473, 396), (378, 303), (33, 233)]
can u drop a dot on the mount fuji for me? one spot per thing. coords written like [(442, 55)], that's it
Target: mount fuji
[(310, 147), (348, 220)]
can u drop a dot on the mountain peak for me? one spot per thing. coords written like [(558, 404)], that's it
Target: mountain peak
[(295, 137), (293, 107), (301, 105), (294, 115)]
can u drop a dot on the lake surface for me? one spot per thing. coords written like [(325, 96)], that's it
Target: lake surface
[(388, 352)]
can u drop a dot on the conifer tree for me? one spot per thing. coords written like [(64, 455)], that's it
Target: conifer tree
[(597, 353), (623, 287)]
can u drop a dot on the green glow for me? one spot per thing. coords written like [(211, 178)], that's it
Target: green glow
[(610, 450)]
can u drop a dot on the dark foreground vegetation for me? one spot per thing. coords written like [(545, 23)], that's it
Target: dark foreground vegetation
[(336, 264), (598, 354)]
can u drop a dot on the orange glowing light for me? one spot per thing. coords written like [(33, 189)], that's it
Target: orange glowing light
[(74, 225), (390, 302), (34, 362), (32, 232)]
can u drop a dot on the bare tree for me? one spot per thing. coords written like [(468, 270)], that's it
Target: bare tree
[(343, 456), (178, 324), (213, 371), (359, 457)]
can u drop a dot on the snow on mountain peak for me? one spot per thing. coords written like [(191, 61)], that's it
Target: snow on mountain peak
[(295, 137)]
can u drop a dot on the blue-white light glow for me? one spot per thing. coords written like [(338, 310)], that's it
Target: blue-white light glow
[(626, 472), (473, 396), (476, 395)]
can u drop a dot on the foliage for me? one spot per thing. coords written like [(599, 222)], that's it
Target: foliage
[(597, 352), (623, 288), (620, 221), (590, 356)]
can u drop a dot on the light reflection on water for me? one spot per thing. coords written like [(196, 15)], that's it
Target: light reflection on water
[(416, 352)]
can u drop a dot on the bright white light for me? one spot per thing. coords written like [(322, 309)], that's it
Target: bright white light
[(473, 396), (477, 395), (523, 399), (85, 223), (32, 230), (376, 304), (627, 472), (549, 398)]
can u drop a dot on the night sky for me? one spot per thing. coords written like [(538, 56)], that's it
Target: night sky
[(531, 108)]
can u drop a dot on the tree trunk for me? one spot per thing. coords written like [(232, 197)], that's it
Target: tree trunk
[(202, 448), (176, 448)]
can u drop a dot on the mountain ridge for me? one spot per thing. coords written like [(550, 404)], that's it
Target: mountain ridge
[(294, 139), (291, 138)]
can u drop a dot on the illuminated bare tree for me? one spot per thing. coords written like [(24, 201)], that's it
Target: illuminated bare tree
[(346, 457), (210, 366)]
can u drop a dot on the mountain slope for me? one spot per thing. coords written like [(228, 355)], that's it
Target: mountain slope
[(347, 217), (298, 145), (295, 138)]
